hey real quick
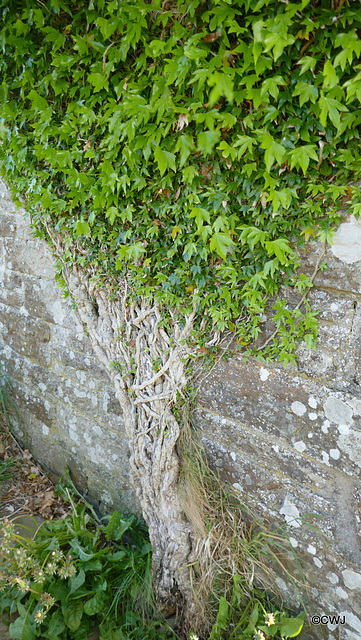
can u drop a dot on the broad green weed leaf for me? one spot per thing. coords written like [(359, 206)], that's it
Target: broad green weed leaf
[(292, 627), (95, 604), (77, 581), (73, 613)]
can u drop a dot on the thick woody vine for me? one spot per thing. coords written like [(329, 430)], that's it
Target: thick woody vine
[(176, 155)]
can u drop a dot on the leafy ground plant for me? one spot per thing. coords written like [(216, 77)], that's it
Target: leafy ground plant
[(259, 620), (77, 574)]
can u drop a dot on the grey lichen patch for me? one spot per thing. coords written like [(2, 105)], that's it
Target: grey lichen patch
[(347, 241), (298, 408), (351, 579), (337, 410), (351, 445), (290, 513)]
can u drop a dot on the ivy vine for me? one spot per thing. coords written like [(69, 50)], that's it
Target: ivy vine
[(189, 147)]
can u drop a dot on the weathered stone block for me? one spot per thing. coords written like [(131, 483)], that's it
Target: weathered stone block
[(12, 289), (25, 335), (28, 256)]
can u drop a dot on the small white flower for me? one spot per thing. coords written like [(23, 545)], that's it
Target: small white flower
[(270, 619)]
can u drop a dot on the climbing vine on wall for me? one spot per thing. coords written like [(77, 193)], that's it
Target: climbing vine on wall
[(186, 146)]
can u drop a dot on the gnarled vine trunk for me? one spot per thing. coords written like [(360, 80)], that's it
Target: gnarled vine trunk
[(146, 365)]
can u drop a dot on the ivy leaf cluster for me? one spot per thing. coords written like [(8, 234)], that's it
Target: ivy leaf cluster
[(187, 146)]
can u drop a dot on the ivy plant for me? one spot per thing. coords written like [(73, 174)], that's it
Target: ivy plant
[(189, 147)]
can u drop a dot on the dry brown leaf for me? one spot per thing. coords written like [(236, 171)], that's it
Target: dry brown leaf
[(212, 37), (182, 121)]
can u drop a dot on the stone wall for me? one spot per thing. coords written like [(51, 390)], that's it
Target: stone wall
[(71, 415), (287, 439)]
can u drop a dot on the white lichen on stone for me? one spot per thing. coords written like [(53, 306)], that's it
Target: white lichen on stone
[(335, 454), (343, 429), (337, 410), (298, 408), (347, 241), (317, 562), (355, 404), (23, 311), (97, 429), (351, 445), (351, 579), (312, 402), (312, 416), (311, 549), (45, 430), (59, 312), (325, 457), (325, 426), (264, 374), (333, 578), (341, 593), (300, 446), (290, 513), (351, 621)]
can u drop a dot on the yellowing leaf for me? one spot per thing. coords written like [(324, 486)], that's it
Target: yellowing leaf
[(308, 232), (175, 230)]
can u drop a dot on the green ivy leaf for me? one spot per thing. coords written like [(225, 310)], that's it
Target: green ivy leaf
[(220, 242), (306, 91), (301, 156), (273, 150), (222, 84), (185, 146), (82, 228), (98, 80), (207, 140), (330, 107), (165, 160)]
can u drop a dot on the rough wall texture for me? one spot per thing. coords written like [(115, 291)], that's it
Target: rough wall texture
[(289, 440), (70, 412)]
